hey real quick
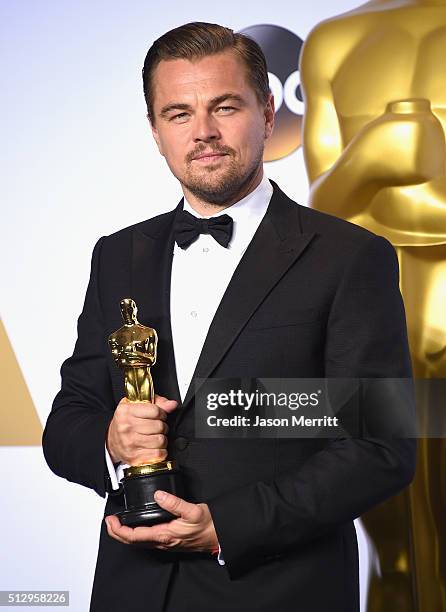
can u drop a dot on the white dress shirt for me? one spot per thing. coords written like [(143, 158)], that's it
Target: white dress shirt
[(200, 275)]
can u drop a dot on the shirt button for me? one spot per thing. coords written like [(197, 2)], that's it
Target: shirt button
[(206, 250), (193, 313), (181, 443)]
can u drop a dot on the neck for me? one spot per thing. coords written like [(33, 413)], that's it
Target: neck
[(204, 208)]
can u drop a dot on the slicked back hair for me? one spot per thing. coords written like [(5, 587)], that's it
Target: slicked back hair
[(196, 40)]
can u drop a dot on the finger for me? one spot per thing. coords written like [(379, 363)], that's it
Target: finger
[(156, 538), (125, 534), (150, 427), (150, 536), (143, 441), (146, 410), (110, 522), (166, 404), (146, 455), (179, 507)]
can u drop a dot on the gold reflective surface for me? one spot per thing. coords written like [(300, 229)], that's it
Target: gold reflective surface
[(140, 470), (133, 347), (21, 426), (374, 84)]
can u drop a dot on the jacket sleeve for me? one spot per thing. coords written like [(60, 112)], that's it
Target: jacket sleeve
[(76, 428), (366, 337)]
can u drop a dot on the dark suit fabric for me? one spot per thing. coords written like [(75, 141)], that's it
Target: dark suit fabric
[(312, 296)]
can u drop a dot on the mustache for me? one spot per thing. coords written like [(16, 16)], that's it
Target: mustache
[(210, 148)]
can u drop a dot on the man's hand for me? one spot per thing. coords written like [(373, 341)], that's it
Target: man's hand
[(138, 432), (193, 530)]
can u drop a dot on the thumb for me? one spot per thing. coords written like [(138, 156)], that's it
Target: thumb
[(179, 507), (166, 404)]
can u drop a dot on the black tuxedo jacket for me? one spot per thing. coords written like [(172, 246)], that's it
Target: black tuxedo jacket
[(312, 296)]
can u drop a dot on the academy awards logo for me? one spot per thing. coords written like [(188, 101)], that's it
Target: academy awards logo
[(282, 50), (19, 422)]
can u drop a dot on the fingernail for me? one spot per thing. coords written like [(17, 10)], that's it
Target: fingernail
[(160, 495)]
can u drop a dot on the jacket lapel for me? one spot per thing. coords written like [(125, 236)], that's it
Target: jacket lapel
[(152, 254), (275, 247)]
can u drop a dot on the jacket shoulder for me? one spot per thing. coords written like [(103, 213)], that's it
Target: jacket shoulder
[(149, 227), (114, 251), (328, 227), (324, 223)]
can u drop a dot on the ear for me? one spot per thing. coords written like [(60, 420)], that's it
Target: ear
[(269, 116), (156, 136)]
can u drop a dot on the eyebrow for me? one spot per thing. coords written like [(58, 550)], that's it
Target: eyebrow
[(213, 102)]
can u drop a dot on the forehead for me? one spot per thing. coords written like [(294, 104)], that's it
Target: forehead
[(182, 80)]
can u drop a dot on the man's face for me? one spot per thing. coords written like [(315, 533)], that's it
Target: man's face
[(209, 124)]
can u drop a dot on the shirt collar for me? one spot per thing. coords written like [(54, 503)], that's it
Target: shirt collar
[(246, 214)]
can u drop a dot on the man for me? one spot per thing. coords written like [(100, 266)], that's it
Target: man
[(291, 293)]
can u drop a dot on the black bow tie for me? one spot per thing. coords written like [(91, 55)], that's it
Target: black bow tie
[(188, 228)]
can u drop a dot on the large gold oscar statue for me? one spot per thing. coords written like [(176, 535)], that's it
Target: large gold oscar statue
[(374, 85)]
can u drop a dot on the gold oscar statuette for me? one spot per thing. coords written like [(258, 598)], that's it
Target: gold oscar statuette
[(134, 347), (375, 149)]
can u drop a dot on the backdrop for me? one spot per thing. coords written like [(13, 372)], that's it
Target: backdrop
[(79, 162)]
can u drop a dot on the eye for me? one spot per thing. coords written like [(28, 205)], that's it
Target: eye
[(179, 118), (225, 110)]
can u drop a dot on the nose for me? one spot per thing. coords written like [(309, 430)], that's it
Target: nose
[(205, 128)]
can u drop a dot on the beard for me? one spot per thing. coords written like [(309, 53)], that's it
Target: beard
[(216, 185)]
